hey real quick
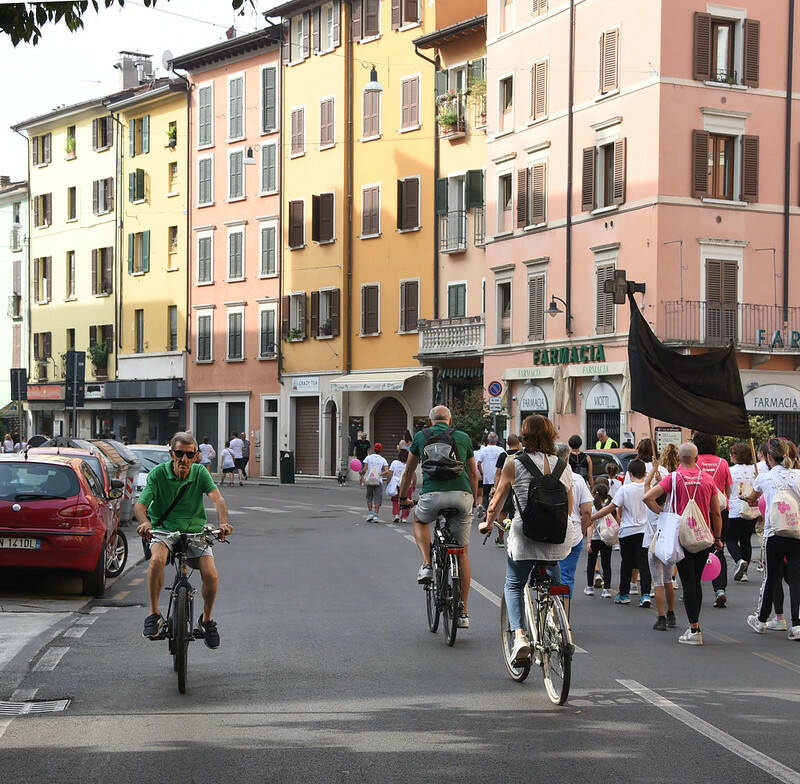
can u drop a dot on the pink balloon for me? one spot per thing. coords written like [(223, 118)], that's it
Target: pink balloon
[(712, 568), (355, 464)]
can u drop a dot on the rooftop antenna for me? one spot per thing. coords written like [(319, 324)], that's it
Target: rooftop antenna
[(166, 60)]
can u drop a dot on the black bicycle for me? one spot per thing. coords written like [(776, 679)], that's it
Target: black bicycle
[(179, 622), (443, 593)]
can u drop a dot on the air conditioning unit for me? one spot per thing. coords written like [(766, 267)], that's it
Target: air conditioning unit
[(14, 306)]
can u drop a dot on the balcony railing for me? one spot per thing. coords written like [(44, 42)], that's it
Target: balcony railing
[(452, 114), (724, 75), (453, 231), (453, 336), (747, 326), (479, 225)]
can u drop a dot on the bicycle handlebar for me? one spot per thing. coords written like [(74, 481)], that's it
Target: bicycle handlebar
[(495, 524)]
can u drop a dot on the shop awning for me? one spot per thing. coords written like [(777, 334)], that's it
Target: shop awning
[(388, 381), (461, 372), (138, 405)]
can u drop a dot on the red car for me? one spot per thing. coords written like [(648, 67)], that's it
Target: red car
[(55, 514)]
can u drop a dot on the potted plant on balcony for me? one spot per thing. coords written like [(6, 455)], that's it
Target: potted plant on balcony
[(98, 354), (172, 136), (477, 94), (295, 334), (325, 328), (69, 147), (447, 119)]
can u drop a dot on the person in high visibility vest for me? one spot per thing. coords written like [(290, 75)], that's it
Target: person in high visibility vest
[(604, 441)]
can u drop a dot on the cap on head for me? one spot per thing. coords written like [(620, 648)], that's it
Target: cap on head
[(378, 447)]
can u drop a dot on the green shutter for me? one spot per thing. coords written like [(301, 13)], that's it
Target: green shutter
[(132, 138), (441, 196), (441, 83), (139, 184), (146, 251), (131, 241), (132, 186), (146, 133), (474, 183)]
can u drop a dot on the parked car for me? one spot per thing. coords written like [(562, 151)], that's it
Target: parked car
[(602, 456), (54, 514), (149, 456)]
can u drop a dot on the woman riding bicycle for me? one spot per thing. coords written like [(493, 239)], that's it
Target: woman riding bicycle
[(538, 440)]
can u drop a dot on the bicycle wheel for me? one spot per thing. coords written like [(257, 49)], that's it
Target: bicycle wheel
[(451, 599), (518, 672), (556, 652), (181, 636), (432, 598)]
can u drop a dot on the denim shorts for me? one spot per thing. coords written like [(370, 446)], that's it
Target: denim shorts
[(193, 550), (429, 505)]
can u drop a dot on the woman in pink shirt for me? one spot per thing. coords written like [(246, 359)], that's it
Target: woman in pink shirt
[(691, 482)]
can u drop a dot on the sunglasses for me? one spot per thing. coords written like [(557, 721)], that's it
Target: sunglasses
[(179, 453)]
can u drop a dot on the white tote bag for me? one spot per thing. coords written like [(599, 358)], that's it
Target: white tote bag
[(668, 548)]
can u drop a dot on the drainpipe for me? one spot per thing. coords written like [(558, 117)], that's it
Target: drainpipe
[(349, 150), (27, 343), (787, 159), (118, 230), (279, 316), (570, 124)]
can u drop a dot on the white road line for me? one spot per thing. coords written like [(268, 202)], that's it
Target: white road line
[(120, 595), (777, 660), (761, 761), (50, 659), (410, 538), (267, 509), (75, 632), (353, 511), (137, 581), (20, 695), (86, 620), (99, 610), (484, 591)]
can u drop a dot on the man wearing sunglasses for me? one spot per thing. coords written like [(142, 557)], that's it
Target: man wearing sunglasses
[(186, 480)]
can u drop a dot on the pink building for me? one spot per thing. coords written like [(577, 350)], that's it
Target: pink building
[(232, 371), (672, 163)]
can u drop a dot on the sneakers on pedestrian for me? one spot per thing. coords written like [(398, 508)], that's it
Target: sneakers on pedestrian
[(425, 574), (744, 578), (720, 599), (634, 588), (671, 620), (499, 542), (210, 632), (154, 627), (741, 569), (645, 600), (777, 625), (661, 624), (606, 594), (396, 519), (462, 621), (622, 598), (370, 516), (757, 626), (760, 566), (588, 590), (521, 650), (598, 580), (794, 633), (691, 637)]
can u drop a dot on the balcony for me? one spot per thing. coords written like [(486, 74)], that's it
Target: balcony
[(452, 114), (453, 231), (451, 337), (748, 327)]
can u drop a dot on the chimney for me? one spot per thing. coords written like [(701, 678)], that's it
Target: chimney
[(4, 180), (134, 68), (230, 32)]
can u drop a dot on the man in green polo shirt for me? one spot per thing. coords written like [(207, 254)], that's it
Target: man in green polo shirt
[(460, 492), (188, 515)]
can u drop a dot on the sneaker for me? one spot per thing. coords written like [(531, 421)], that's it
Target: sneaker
[(794, 633), (521, 650), (588, 590), (154, 627), (645, 600), (757, 626), (671, 620), (674, 583), (396, 519), (210, 632), (616, 547), (690, 637), (634, 588), (760, 566), (425, 574), (744, 578), (775, 625), (661, 624), (598, 580), (622, 598), (741, 568), (499, 543), (720, 599), (606, 594), (462, 622), (370, 517)]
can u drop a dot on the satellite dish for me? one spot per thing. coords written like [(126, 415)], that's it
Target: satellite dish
[(166, 60)]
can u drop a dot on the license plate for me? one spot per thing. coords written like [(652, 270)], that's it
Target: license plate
[(17, 543)]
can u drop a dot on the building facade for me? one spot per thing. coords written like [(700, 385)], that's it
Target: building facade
[(655, 167), (234, 243)]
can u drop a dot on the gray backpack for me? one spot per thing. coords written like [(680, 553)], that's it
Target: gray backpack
[(440, 459)]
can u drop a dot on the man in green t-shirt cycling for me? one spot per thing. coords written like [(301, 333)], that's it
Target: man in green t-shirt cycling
[(460, 492), (188, 515)]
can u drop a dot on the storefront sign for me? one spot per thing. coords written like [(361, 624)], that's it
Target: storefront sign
[(770, 397), (777, 339), (565, 355), (602, 397), (528, 372), (94, 391), (533, 399), (45, 392), (305, 384)]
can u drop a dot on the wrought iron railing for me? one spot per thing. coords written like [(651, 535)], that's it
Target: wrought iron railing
[(453, 231), (479, 225), (452, 114), (451, 336)]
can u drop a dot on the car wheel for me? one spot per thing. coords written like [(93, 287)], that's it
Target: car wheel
[(94, 582), (116, 554)]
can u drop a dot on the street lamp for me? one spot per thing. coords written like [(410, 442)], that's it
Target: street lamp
[(553, 310), (373, 85), (250, 158)]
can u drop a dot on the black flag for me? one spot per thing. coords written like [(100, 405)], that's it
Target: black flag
[(700, 391)]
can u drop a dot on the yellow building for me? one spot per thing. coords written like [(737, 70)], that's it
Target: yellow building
[(357, 190), (147, 396)]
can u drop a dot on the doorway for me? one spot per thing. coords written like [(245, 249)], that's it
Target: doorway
[(206, 423), (331, 427), (389, 423), (269, 453)]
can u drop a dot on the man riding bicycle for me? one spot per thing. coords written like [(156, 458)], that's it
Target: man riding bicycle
[(172, 500), (450, 481)]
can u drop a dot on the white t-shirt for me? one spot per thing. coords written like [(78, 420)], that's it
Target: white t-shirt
[(374, 463), (762, 467), (634, 514), (580, 495), (396, 469), (488, 459), (206, 453), (8, 445), (236, 447), (740, 473), (776, 479), (476, 453), (613, 485), (227, 458), (652, 517)]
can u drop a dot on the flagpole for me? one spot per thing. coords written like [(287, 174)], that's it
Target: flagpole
[(753, 450)]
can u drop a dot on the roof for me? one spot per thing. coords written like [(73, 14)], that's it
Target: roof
[(289, 6), (155, 89), (6, 190), (225, 50), (450, 33)]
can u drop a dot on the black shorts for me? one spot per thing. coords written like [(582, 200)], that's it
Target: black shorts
[(239, 462), (230, 470)]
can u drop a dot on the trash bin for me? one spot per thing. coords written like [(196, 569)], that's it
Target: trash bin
[(287, 468)]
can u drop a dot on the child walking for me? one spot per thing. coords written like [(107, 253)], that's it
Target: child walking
[(598, 547)]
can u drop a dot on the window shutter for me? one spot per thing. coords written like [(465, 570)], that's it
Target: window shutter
[(306, 40), (441, 196), (608, 65), (538, 185), (132, 138), (400, 205), (303, 311), (36, 350), (268, 99), (48, 209), (295, 224), (48, 278), (94, 133), (413, 102), (702, 46), (397, 19), (316, 23), (604, 319), (410, 203), (46, 141), (48, 343), (474, 188), (131, 186), (131, 252), (539, 90), (36, 219), (335, 309), (751, 57), (749, 168), (95, 189), (35, 150), (326, 217), (301, 130), (699, 164), (110, 193), (146, 251), (370, 309), (410, 11), (36, 289), (587, 181), (411, 306), (371, 13), (146, 133), (323, 123), (95, 289), (536, 308), (286, 36), (139, 184), (440, 81), (522, 197), (285, 317), (337, 12), (93, 336), (619, 172), (314, 314), (404, 104), (315, 218), (109, 136), (367, 102), (356, 24)]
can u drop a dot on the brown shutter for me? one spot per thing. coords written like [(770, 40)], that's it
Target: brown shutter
[(410, 11), (295, 224), (752, 47), (608, 61), (539, 90), (35, 149), (48, 209), (286, 35), (316, 23), (36, 352), (355, 19), (411, 203), (335, 309), (48, 343), (410, 305), (413, 102), (397, 19), (326, 217), (522, 197), (713, 294), (749, 168), (619, 172), (604, 319), (315, 218), (94, 134), (699, 164), (36, 290), (371, 14), (370, 296), (303, 313), (314, 314), (337, 12), (95, 195), (36, 218), (702, 46), (46, 139), (48, 275), (587, 181), (285, 317), (110, 191), (305, 40), (538, 185), (95, 289)]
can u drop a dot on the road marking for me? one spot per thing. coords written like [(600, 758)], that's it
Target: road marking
[(761, 761), (75, 631), (86, 620), (353, 511), (410, 538), (50, 659), (137, 581), (268, 510), (20, 695), (99, 610), (120, 595), (777, 660), (718, 636), (484, 591)]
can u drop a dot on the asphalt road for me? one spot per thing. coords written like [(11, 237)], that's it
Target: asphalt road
[(327, 673)]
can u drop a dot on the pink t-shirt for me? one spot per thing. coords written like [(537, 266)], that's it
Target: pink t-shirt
[(718, 469), (694, 483)]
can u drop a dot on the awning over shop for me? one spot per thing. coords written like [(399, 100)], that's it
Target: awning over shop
[(461, 372), (138, 405), (388, 381)]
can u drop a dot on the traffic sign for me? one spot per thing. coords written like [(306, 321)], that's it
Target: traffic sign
[(495, 404), (19, 384), (495, 388)]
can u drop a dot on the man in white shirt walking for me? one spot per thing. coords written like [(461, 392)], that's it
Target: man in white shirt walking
[(487, 457), (237, 447)]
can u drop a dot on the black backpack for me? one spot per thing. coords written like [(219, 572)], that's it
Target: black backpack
[(439, 460), (545, 516), (579, 464)]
